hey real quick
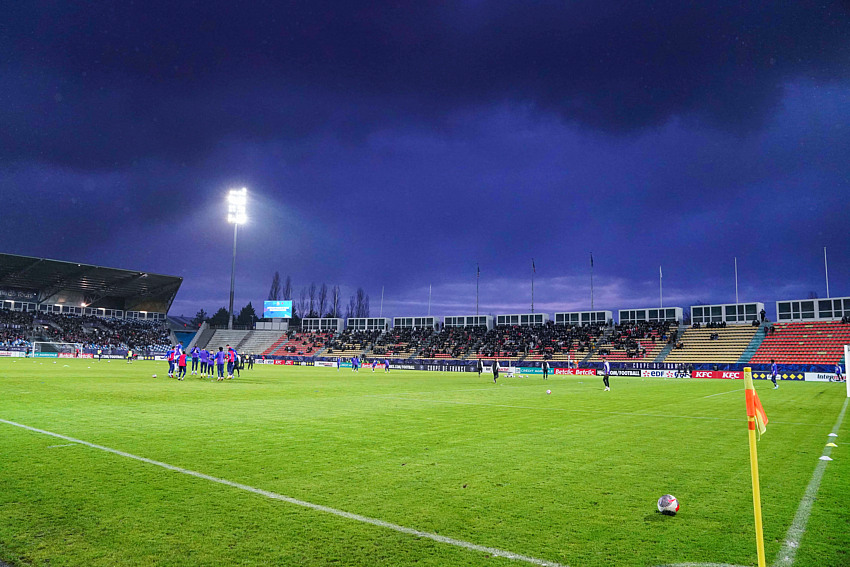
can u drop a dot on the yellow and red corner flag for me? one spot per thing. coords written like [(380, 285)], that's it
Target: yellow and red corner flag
[(756, 419), (754, 409)]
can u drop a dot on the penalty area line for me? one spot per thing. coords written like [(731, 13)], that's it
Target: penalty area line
[(317, 507)]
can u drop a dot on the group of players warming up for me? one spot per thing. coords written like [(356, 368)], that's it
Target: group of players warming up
[(211, 363)]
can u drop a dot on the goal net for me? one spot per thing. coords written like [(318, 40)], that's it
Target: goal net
[(59, 349)]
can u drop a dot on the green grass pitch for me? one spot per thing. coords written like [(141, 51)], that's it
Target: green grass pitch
[(568, 478)]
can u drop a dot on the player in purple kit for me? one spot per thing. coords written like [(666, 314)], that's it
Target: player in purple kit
[(171, 360), (374, 364), (386, 365), (196, 352), (219, 362), (774, 372), (205, 359)]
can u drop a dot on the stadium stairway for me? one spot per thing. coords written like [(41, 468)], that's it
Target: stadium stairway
[(669, 347), (754, 345), (196, 339), (257, 341), (203, 338)]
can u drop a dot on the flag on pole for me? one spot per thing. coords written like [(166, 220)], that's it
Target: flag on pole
[(479, 270), (533, 267), (754, 408), (756, 421), (660, 275), (591, 259)]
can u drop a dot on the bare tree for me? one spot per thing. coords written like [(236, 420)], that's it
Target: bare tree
[(311, 294), (302, 303), (361, 303), (274, 292), (336, 297), (287, 288), (351, 308), (322, 301)]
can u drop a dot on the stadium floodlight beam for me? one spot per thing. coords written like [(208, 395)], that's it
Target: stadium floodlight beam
[(237, 201)]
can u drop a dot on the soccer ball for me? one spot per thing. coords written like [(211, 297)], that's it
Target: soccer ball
[(154, 375), (668, 504), (548, 391)]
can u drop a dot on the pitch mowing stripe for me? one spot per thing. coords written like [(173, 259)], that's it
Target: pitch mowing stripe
[(318, 507), (595, 412), (786, 555), (722, 393)]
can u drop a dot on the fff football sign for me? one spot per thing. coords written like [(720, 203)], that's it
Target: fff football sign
[(277, 309)]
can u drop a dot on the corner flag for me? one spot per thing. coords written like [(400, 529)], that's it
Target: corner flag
[(754, 408), (756, 419)]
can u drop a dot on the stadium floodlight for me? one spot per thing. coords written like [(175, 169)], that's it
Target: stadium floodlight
[(237, 202)]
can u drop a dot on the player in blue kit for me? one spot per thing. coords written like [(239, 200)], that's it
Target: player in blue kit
[(386, 365), (774, 372)]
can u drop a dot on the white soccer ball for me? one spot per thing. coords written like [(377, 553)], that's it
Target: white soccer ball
[(154, 375), (548, 391), (668, 504)]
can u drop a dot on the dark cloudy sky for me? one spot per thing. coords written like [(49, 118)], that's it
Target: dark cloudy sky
[(397, 144)]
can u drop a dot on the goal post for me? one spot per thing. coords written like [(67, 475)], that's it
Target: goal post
[(50, 349), (846, 360)]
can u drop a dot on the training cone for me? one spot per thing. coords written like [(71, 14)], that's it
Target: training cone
[(825, 458), (831, 445)]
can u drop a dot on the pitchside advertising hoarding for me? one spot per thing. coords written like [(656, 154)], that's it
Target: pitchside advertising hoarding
[(576, 371), (277, 309)]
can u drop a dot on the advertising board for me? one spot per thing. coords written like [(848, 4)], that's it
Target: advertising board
[(576, 371), (658, 373)]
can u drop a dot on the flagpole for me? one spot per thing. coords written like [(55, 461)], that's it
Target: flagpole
[(382, 302), (660, 289), (532, 285), (754, 463), (826, 271), (429, 300), (477, 277), (736, 279), (591, 281)]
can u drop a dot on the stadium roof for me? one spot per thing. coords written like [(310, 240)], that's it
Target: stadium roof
[(98, 286)]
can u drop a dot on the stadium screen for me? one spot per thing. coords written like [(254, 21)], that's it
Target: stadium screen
[(277, 309)]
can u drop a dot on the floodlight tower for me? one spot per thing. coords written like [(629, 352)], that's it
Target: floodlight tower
[(237, 200)]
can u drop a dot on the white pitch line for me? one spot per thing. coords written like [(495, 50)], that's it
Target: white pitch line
[(318, 507), (785, 557), (722, 393)]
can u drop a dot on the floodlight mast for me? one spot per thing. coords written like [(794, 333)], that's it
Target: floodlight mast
[(237, 201)]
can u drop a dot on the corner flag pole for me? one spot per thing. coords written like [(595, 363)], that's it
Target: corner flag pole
[(591, 281), (753, 407)]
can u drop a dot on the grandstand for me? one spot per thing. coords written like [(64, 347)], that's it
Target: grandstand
[(352, 342), (115, 309), (713, 343), (820, 342), (402, 342), (101, 308), (298, 344), (641, 340)]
